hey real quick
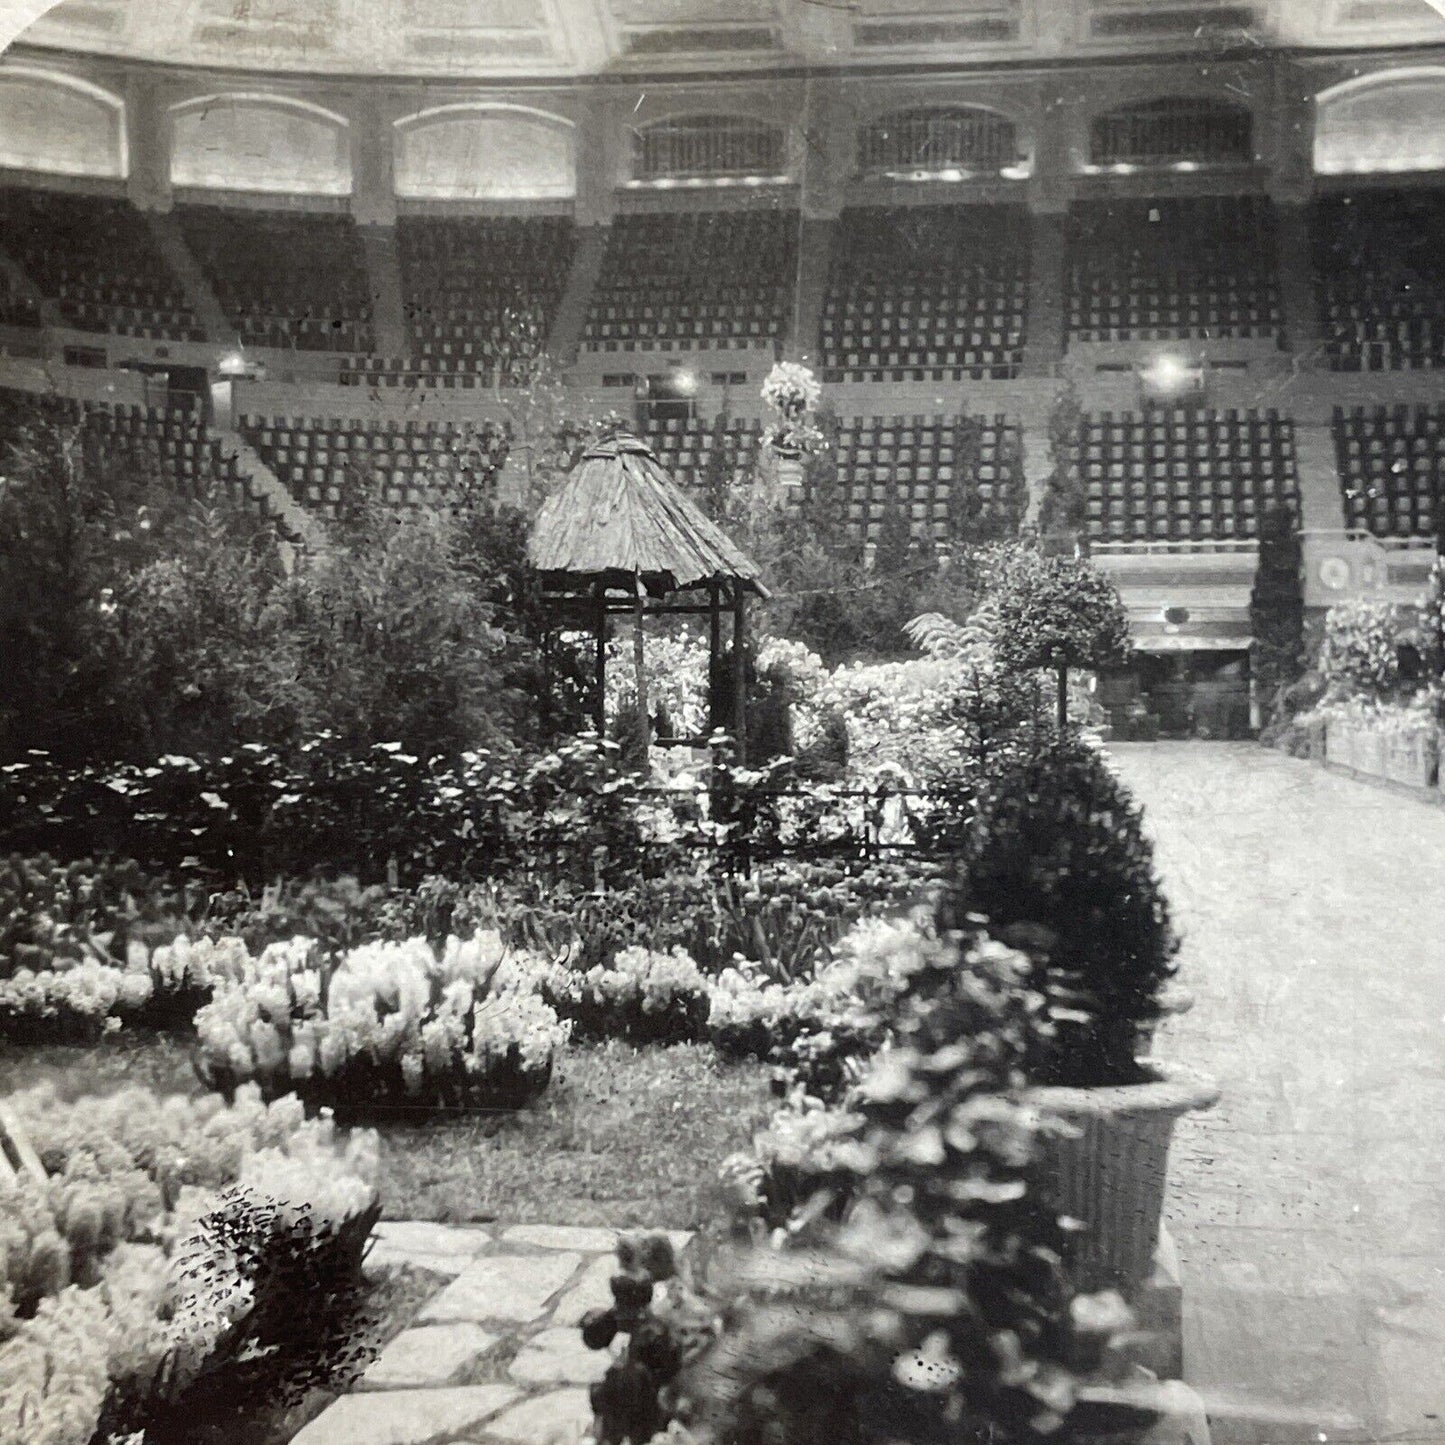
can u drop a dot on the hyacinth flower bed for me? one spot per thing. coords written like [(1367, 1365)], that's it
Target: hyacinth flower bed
[(178, 1254), (387, 1026)]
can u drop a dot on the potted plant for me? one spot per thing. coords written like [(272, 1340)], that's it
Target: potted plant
[(1059, 864), (792, 392)]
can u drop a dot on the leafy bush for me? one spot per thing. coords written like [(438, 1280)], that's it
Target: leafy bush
[(134, 1289), (386, 1025), (919, 1296), (1058, 857)]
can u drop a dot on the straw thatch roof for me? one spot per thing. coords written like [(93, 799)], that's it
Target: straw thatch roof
[(620, 517)]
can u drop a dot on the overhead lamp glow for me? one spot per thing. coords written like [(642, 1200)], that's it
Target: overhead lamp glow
[(685, 382), (1186, 165), (232, 364), (1020, 172), (1167, 374), (1124, 168)]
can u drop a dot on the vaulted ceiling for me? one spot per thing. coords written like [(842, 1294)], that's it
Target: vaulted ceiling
[(542, 38)]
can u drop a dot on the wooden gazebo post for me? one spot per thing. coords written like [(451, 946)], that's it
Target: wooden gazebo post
[(599, 673), (740, 675)]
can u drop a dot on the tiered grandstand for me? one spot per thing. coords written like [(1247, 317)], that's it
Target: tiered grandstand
[(1140, 270), (173, 444), (410, 462), (1391, 460), (1181, 474), (1381, 272), (928, 292), (699, 448), (94, 256), (695, 280), (285, 279), (480, 296), (915, 463)]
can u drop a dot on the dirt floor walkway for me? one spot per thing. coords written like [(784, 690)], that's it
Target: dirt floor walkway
[(1309, 1206)]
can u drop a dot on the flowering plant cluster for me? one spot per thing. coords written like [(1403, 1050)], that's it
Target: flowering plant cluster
[(641, 996), (386, 1024), (677, 680), (118, 1293), (1360, 654), (792, 391)]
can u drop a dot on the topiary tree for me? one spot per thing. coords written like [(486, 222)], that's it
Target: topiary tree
[(1277, 609), (1057, 613), (1057, 858)]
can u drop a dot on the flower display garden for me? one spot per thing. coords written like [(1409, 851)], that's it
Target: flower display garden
[(338, 1050)]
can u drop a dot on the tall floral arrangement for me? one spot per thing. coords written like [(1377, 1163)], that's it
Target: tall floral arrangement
[(792, 392)]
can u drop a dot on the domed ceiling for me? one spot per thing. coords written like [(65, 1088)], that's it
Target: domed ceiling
[(541, 38)]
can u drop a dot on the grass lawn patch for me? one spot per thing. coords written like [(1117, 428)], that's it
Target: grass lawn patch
[(623, 1137)]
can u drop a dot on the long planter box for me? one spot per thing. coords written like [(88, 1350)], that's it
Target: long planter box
[(1410, 760), (1370, 753), (1340, 744)]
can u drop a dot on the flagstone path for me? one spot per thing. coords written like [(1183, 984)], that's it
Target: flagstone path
[(495, 1357)]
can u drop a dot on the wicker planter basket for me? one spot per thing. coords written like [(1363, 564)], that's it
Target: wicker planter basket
[(1107, 1169), (1410, 760)]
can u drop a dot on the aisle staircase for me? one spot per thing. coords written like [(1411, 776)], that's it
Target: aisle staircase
[(1044, 324), (566, 335), (165, 229), (815, 258), (383, 271), (1296, 287), (1322, 507), (267, 493)]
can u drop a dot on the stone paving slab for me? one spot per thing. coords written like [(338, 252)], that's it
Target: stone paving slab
[(441, 1248), (406, 1417), (503, 1287), (429, 1356), (557, 1418), (508, 1315)]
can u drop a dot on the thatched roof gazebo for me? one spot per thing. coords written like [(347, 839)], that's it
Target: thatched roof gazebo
[(620, 536)]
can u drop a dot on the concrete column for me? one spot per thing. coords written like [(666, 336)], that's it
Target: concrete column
[(1051, 186), (600, 137), (373, 183), (828, 130), (1290, 140), (148, 140)]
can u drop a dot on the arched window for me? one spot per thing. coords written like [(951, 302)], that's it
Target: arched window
[(1393, 121), (484, 152), (1177, 128), (708, 146), (957, 138), (54, 122), (260, 143)]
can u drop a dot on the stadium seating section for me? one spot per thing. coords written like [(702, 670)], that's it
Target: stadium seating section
[(94, 256), (283, 278), (1180, 474), (697, 448), (1141, 270), (916, 463), (693, 281), (413, 461), (16, 309), (172, 444), (926, 292), (1391, 460), (480, 293), (1380, 272)]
